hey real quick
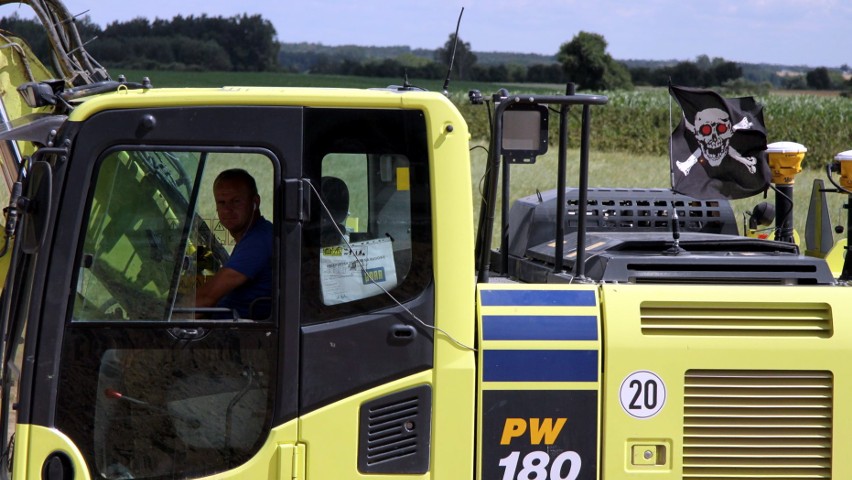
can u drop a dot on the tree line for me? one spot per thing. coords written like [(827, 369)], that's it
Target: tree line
[(249, 43), (238, 43), (583, 60)]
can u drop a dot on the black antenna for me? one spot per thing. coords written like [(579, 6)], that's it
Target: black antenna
[(675, 249), (453, 56)]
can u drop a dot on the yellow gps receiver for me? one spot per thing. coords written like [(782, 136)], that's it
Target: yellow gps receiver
[(844, 161), (785, 161)]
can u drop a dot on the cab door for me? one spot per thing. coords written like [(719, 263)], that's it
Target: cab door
[(132, 380), (368, 308)]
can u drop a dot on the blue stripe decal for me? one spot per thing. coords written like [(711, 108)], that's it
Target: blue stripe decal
[(538, 298), (540, 366), (540, 327)]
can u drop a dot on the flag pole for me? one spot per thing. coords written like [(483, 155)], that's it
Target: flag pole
[(669, 133)]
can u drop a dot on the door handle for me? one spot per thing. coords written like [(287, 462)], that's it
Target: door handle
[(191, 333), (402, 334)]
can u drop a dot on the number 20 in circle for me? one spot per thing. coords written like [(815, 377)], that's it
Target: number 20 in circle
[(642, 394)]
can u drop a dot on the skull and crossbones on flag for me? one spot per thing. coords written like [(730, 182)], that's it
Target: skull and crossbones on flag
[(719, 148)]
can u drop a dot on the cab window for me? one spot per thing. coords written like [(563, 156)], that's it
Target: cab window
[(154, 236), (371, 223), (364, 256)]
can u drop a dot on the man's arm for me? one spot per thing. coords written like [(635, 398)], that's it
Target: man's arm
[(223, 282)]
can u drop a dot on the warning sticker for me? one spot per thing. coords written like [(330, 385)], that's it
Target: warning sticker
[(222, 235)]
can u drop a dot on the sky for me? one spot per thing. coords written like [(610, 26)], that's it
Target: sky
[(812, 33)]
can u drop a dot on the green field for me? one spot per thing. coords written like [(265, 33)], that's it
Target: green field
[(629, 135)]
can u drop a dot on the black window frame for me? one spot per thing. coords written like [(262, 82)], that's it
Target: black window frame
[(373, 132), (80, 254)]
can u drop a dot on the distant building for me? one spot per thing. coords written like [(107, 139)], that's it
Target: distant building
[(789, 73)]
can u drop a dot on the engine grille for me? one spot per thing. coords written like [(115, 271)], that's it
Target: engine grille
[(757, 425), (395, 433), (737, 319)]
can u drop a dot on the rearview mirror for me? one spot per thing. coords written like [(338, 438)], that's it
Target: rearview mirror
[(39, 192)]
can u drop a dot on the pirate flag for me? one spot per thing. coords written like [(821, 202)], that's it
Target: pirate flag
[(719, 148)]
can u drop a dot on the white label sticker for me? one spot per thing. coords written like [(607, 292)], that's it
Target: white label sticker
[(352, 274), (642, 394)]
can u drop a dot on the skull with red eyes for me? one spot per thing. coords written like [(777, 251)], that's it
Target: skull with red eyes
[(713, 130)]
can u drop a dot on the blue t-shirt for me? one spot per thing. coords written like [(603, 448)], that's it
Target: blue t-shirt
[(252, 256)]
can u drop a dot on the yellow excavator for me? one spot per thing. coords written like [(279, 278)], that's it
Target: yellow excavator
[(610, 333)]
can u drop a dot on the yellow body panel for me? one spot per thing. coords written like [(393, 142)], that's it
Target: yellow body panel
[(454, 372), (836, 256), (14, 62), (725, 336), (274, 96), (280, 458), (330, 434)]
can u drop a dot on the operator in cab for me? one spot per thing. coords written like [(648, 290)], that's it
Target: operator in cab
[(244, 283)]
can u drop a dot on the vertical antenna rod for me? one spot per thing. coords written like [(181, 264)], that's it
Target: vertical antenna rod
[(444, 89)]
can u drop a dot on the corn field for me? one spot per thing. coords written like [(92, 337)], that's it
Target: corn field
[(641, 122), (636, 122), (629, 143)]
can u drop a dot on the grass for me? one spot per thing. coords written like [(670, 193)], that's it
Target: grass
[(619, 169)]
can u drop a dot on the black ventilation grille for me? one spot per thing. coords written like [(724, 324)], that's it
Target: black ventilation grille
[(532, 219), (650, 210), (395, 432)]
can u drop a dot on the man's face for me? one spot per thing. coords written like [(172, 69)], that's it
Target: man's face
[(235, 205)]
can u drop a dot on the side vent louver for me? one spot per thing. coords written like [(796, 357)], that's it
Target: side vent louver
[(776, 319), (744, 425), (395, 432)]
